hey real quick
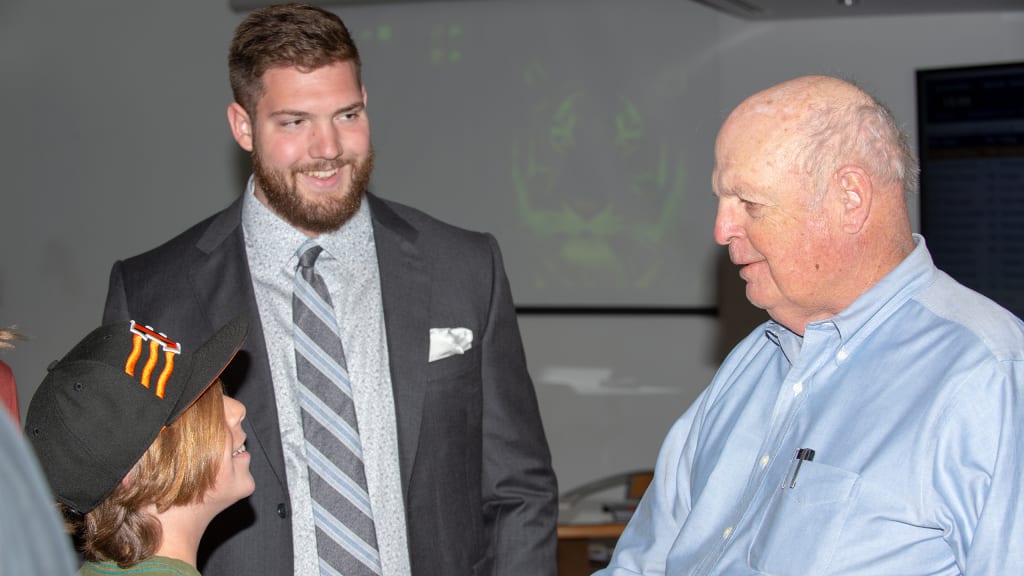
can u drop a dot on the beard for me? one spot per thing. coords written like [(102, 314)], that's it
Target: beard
[(318, 216)]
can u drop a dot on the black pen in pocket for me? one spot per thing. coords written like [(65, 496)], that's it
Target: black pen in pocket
[(801, 455)]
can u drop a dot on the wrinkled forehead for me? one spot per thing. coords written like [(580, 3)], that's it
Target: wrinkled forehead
[(750, 139)]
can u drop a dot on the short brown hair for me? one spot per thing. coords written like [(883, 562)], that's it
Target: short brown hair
[(286, 35), (179, 468)]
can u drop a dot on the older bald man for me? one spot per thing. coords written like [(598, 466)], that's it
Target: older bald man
[(875, 424)]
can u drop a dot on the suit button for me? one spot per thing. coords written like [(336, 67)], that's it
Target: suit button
[(282, 510)]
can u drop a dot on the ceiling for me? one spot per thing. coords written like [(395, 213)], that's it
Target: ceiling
[(794, 9)]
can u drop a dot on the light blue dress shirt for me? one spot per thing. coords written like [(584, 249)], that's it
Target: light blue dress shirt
[(913, 402)]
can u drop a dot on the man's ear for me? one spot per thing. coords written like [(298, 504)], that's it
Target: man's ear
[(855, 194), (241, 125)]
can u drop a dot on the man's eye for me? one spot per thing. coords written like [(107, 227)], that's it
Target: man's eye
[(291, 123)]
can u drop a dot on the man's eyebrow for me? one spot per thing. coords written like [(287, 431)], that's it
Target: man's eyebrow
[(354, 107), (720, 190), (290, 113)]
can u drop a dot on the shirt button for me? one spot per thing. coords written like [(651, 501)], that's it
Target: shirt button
[(764, 460), (282, 510), (842, 354), (798, 388), (726, 533)]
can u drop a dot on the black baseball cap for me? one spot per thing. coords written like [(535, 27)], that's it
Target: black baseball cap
[(101, 406)]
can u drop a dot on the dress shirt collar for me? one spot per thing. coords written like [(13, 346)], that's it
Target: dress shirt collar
[(869, 310), (274, 240)]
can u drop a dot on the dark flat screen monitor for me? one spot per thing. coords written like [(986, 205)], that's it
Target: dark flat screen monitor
[(971, 145)]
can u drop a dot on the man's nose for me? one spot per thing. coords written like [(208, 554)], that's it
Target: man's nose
[(326, 144), (726, 227)]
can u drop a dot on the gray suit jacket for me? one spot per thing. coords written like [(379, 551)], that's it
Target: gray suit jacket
[(480, 494)]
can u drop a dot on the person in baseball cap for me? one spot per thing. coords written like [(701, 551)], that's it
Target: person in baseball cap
[(140, 445)]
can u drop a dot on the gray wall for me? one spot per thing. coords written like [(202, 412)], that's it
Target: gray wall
[(114, 138)]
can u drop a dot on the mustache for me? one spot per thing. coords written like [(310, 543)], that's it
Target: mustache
[(322, 165)]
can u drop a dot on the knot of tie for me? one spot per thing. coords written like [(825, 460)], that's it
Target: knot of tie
[(308, 253)]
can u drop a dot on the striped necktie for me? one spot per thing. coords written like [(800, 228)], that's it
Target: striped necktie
[(345, 538)]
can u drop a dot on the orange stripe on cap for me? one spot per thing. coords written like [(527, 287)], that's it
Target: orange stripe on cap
[(147, 371), (161, 383), (156, 341), (133, 358)]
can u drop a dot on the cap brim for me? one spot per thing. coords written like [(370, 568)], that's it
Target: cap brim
[(209, 361)]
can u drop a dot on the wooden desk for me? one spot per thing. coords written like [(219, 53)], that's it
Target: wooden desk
[(583, 525), (573, 542)]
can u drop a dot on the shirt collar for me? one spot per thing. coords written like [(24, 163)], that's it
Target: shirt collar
[(274, 241), (871, 308)]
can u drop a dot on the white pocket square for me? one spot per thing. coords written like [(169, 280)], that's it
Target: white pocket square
[(445, 342)]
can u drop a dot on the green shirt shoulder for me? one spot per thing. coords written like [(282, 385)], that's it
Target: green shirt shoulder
[(155, 566)]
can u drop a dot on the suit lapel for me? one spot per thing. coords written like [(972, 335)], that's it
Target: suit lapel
[(405, 295), (221, 281)]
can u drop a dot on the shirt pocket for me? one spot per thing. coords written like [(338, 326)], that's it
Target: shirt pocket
[(799, 533)]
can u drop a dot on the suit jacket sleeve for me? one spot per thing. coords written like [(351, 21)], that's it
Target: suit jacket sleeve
[(519, 487)]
